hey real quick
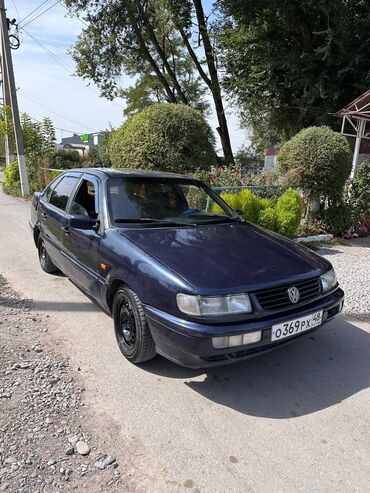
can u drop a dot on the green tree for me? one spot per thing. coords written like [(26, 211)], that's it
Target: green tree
[(318, 161), (155, 41), (292, 64), (39, 142), (165, 137)]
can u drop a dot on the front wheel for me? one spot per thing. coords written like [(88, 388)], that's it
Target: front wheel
[(132, 332), (45, 261)]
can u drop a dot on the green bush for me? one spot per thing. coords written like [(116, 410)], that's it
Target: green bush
[(249, 205), (317, 160), (337, 218), (360, 192), (166, 137), (64, 159), (11, 180), (267, 218), (288, 213), (283, 216)]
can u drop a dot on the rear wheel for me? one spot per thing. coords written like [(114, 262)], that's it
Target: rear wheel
[(132, 332), (45, 261)]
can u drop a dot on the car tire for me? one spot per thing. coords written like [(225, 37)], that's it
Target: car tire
[(132, 332), (46, 263)]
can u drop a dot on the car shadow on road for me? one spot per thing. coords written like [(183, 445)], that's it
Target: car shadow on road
[(312, 374)]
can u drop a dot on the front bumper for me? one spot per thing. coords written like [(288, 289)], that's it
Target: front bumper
[(190, 344)]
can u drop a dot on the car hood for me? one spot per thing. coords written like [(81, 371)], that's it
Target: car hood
[(228, 258)]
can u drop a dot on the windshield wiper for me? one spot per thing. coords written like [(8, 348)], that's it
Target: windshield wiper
[(136, 220), (147, 220)]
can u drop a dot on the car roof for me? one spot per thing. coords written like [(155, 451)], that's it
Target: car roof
[(135, 173)]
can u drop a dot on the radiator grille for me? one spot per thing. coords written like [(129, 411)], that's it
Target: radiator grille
[(276, 298)]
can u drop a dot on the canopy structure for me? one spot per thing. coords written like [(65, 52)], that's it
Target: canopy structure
[(356, 124)]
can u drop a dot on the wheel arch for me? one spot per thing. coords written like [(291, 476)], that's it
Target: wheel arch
[(113, 287)]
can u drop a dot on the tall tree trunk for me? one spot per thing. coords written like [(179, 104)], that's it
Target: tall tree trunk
[(146, 52), (215, 85), (166, 65)]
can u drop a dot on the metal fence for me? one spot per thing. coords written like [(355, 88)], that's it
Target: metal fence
[(264, 191)]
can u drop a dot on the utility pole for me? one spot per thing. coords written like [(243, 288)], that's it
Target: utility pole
[(8, 76), (9, 143)]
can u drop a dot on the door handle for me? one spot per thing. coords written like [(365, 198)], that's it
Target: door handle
[(65, 229)]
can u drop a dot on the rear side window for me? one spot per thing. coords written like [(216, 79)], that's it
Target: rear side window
[(48, 190), (62, 192)]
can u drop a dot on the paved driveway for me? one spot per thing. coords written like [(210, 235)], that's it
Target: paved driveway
[(295, 420)]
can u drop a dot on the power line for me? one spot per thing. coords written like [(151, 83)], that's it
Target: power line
[(41, 13), (34, 10), (18, 14), (62, 64), (49, 52), (57, 112)]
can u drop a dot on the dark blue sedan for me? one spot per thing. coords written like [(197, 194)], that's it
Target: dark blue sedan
[(181, 274)]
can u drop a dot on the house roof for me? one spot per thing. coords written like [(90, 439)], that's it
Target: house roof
[(359, 108)]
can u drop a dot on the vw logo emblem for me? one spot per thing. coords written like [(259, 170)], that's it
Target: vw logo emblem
[(293, 294)]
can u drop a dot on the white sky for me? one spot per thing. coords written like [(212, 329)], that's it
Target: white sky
[(45, 86)]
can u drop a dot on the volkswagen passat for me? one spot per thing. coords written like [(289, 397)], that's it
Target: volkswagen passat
[(181, 274)]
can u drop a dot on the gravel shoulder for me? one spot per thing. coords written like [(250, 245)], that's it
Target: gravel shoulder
[(45, 444), (351, 261)]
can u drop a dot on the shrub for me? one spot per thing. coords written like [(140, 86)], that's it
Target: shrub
[(288, 213), (267, 218), (226, 176), (164, 136), (317, 160), (64, 159), (283, 217), (11, 180), (360, 192), (249, 205), (337, 218)]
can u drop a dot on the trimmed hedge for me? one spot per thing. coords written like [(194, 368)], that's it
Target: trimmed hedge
[(164, 137), (282, 216)]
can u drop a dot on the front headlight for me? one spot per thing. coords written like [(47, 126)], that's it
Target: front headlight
[(328, 280), (214, 305)]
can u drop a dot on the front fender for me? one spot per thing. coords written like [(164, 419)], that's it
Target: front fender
[(154, 283)]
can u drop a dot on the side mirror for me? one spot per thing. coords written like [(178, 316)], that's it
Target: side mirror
[(79, 221)]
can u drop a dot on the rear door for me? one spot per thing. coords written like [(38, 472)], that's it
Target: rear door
[(82, 246), (52, 213)]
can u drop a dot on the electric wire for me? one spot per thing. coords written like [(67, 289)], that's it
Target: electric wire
[(34, 11), (16, 8), (62, 64), (40, 14), (53, 110)]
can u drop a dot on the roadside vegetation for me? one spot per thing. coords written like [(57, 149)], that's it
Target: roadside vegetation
[(274, 64)]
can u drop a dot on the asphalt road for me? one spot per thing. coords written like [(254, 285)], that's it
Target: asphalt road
[(295, 420)]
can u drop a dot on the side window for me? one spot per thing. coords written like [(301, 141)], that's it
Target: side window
[(85, 201), (48, 190), (62, 192)]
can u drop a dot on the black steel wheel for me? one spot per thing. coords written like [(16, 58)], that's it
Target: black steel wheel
[(45, 261), (131, 328)]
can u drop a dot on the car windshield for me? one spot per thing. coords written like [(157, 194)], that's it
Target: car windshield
[(164, 200)]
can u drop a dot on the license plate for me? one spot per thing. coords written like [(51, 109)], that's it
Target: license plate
[(296, 326)]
